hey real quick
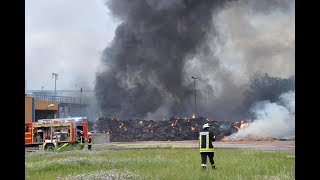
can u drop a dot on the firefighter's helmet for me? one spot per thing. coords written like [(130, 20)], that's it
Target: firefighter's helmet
[(206, 125)]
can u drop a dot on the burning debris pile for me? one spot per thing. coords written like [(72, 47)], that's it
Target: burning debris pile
[(174, 129)]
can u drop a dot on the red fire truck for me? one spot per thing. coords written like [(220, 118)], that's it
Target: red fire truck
[(53, 133)]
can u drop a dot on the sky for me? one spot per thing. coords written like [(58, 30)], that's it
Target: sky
[(65, 37)]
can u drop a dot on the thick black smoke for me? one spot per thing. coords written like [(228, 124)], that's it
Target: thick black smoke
[(157, 47), (148, 54)]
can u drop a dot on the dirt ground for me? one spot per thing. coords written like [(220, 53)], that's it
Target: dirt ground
[(263, 145)]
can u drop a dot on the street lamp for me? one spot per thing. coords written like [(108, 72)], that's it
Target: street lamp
[(195, 97), (55, 76)]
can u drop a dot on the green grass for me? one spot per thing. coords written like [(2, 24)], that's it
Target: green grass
[(173, 163)]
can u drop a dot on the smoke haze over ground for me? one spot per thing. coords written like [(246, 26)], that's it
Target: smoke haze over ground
[(159, 44)]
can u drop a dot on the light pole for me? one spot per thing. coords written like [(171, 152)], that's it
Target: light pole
[(80, 95), (55, 76), (195, 97)]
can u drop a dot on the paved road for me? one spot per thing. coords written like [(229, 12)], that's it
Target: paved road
[(272, 145)]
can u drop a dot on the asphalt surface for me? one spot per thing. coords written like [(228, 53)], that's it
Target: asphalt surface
[(272, 145)]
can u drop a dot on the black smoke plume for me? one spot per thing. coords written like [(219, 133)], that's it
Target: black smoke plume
[(148, 54), (158, 46)]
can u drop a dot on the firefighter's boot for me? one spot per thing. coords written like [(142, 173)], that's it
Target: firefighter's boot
[(213, 166), (203, 168)]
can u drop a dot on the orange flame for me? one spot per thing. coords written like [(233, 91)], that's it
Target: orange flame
[(175, 123), (241, 125), (121, 125)]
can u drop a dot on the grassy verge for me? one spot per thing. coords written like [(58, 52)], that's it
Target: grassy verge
[(173, 163)]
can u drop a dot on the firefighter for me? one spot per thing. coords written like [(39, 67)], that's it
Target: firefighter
[(81, 140), (206, 137), (89, 140)]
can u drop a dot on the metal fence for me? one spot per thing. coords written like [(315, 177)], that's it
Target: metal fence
[(64, 99)]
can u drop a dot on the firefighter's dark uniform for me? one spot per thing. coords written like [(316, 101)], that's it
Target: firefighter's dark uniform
[(206, 148), (89, 142)]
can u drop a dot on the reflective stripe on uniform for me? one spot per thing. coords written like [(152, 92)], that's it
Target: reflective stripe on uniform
[(203, 165), (204, 133), (207, 150)]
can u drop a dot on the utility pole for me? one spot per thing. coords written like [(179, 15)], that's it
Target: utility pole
[(80, 95), (195, 96), (55, 76)]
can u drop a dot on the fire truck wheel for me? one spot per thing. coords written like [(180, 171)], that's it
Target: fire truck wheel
[(49, 147)]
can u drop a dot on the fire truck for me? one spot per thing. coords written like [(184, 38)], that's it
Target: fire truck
[(49, 134)]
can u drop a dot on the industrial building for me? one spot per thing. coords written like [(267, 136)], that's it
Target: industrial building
[(36, 109)]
